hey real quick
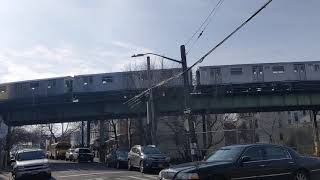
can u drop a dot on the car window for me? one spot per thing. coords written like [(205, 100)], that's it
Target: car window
[(276, 153), (224, 154), (151, 150), (84, 151), (254, 153), (33, 155)]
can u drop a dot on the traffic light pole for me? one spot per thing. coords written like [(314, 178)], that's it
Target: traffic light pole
[(187, 110)]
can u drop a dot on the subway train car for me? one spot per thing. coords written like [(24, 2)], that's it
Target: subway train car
[(258, 73), (35, 88), (131, 80)]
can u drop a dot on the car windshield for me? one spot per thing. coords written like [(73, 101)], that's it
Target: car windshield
[(84, 151), (32, 155), (151, 150), (122, 153), (224, 154)]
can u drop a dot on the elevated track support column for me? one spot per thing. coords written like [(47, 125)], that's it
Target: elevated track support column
[(316, 133), (88, 133)]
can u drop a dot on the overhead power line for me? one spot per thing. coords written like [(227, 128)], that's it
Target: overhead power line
[(133, 100), (203, 26)]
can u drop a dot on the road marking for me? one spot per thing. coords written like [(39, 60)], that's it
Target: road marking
[(152, 177), (90, 174), (139, 178)]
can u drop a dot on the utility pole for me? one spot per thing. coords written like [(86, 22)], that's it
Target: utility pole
[(150, 106), (187, 110)]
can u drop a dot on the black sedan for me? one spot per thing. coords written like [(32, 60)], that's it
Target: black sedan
[(255, 161)]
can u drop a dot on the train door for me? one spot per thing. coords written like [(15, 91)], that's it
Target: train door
[(215, 75), (257, 73), (299, 71)]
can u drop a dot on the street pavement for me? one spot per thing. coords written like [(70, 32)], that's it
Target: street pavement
[(63, 170), (66, 170)]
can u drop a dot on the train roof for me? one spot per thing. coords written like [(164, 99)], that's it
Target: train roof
[(121, 72), (33, 80), (255, 64)]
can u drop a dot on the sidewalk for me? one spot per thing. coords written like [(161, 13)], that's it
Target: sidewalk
[(4, 175)]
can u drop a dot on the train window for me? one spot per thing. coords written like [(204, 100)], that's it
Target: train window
[(107, 79), (34, 85), (3, 89), (316, 67), (236, 71), (87, 80), (51, 84), (278, 69)]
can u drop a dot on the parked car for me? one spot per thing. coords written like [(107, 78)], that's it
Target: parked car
[(28, 163), (255, 161), (83, 154), (117, 158), (69, 154), (147, 158)]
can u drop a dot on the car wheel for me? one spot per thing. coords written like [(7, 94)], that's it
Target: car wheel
[(142, 168), (13, 177), (301, 175), (129, 165), (49, 176)]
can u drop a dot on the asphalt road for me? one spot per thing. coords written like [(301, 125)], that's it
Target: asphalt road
[(62, 170), (65, 170)]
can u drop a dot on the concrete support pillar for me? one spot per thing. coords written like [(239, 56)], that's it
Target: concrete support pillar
[(316, 133), (101, 140), (88, 133), (82, 134), (8, 146), (204, 133)]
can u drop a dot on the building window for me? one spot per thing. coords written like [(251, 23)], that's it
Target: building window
[(3, 89), (278, 69), (236, 71), (107, 79), (34, 85)]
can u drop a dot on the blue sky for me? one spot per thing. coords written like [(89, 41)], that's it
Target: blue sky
[(47, 38)]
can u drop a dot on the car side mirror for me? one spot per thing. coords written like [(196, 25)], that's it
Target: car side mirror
[(244, 159)]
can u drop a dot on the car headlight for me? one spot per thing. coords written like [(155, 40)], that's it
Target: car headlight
[(190, 176)]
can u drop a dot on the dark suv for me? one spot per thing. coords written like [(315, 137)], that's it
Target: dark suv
[(83, 154), (147, 158)]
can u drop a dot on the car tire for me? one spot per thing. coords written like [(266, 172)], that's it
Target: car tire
[(13, 177), (49, 176), (142, 168), (301, 175), (129, 165)]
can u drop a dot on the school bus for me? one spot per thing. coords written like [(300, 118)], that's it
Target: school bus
[(58, 150)]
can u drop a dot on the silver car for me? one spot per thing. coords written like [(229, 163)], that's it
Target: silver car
[(29, 163)]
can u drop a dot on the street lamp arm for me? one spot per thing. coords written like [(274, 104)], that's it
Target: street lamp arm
[(170, 59)]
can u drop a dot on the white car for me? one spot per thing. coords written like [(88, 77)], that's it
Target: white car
[(29, 163)]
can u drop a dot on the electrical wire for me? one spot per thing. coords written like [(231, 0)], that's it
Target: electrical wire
[(204, 25), (134, 99)]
